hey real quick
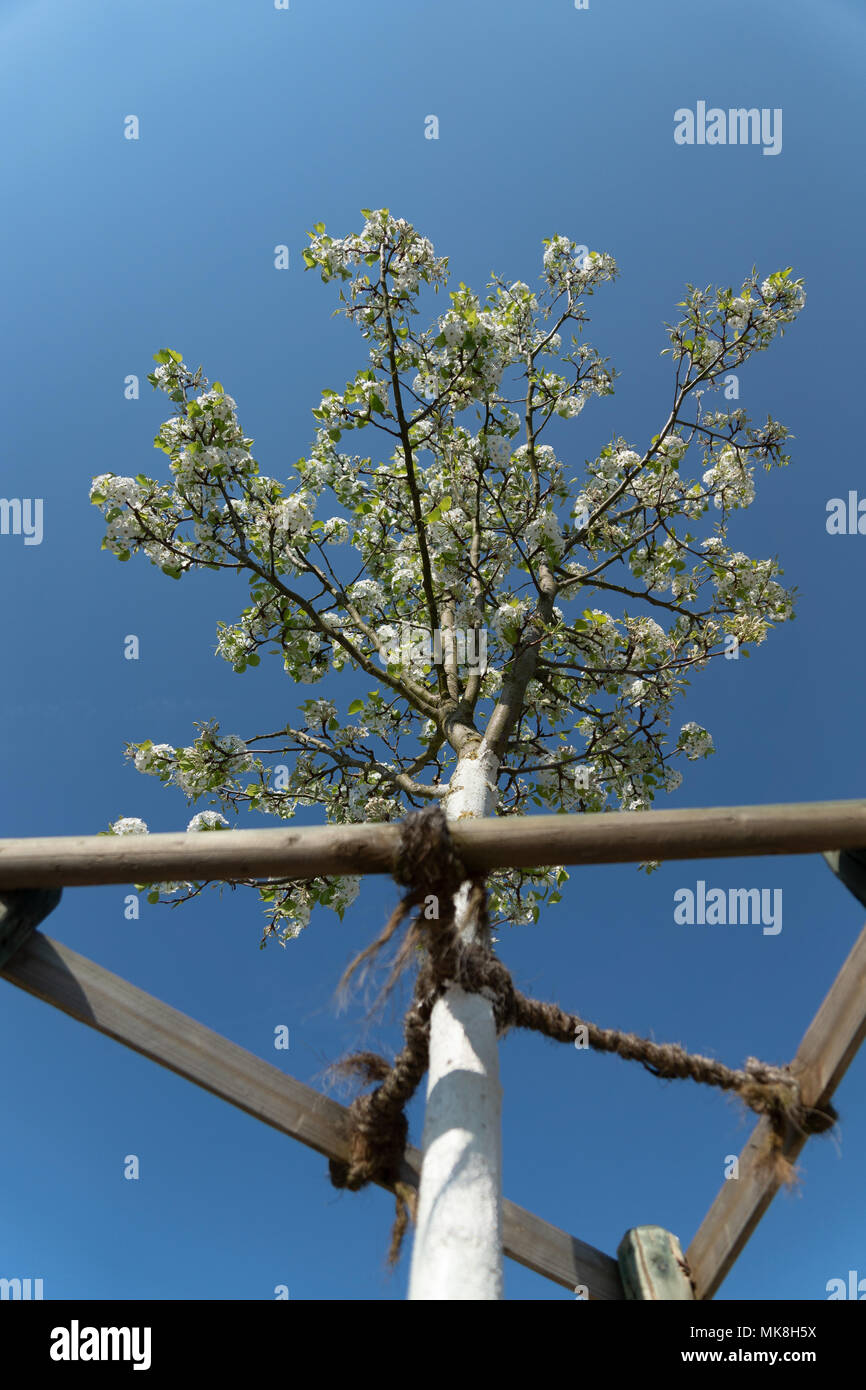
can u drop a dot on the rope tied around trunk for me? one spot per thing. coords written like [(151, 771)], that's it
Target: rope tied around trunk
[(428, 867)]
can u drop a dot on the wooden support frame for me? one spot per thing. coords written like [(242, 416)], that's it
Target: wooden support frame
[(111, 1005), (105, 1002)]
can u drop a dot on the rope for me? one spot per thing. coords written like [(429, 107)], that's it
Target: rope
[(426, 865)]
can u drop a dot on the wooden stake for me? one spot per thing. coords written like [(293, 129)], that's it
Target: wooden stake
[(21, 910), (652, 1266), (850, 867)]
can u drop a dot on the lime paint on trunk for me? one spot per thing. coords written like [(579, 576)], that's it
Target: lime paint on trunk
[(457, 1254)]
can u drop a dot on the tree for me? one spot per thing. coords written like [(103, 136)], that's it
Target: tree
[(457, 576)]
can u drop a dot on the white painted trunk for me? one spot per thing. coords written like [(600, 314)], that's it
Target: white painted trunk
[(457, 1253)]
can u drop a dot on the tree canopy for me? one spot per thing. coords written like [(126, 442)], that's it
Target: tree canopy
[(456, 568)]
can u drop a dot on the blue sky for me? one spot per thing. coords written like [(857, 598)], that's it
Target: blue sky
[(255, 124)]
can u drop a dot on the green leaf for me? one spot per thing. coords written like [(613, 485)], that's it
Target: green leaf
[(162, 356), (356, 706)]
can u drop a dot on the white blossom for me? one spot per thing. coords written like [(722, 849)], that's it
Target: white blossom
[(129, 825), (207, 820), (146, 758)]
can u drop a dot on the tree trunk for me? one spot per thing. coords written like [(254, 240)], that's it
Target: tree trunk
[(457, 1252)]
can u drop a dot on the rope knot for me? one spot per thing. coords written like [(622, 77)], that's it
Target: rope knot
[(426, 860)]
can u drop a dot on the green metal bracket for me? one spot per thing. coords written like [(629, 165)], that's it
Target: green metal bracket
[(849, 866), (21, 910), (652, 1265)]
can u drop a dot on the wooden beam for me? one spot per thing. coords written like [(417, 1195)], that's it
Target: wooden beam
[(614, 837), (822, 1059), (103, 1001)]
